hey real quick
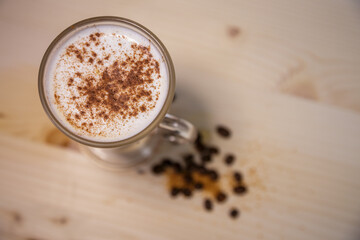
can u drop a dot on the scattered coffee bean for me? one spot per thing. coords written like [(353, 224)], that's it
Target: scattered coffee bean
[(166, 162), (177, 167), (240, 190), (157, 169), (238, 177), (234, 213), (188, 158), (199, 145), (221, 197), (190, 167), (191, 175), (198, 185), (187, 192), (214, 150), (208, 204), (213, 175), (202, 170), (223, 131), (229, 159), (206, 158), (174, 191)]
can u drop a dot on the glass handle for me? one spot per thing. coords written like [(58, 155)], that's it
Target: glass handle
[(178, 130)]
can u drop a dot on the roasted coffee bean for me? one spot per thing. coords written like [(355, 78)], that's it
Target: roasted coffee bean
[(213, 150), (223, 131), (187, 192), (157, 169), (208, 204), (234, 213), (199, 145), (213, 175), (198, 185), (238, 177), (166, 162), (221, 197), (174, 191), (177, 167), (188, 158), (206, 158), (202, 170), (190, 167), (229, 159), (239, 190)]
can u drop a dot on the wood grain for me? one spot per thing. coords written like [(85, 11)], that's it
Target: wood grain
[(283, 75)]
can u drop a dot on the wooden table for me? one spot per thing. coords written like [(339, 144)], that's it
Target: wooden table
[(284, 75)]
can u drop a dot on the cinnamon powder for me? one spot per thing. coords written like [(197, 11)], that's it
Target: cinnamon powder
[(123, 89)]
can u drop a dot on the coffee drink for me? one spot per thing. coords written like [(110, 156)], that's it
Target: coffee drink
[(106, 82)]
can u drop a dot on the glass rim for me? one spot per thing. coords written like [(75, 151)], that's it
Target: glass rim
[(143, 30)]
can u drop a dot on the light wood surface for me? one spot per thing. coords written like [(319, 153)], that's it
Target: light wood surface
[(284, 75)]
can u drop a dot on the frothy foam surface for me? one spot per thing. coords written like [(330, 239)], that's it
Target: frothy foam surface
[(106, 82)]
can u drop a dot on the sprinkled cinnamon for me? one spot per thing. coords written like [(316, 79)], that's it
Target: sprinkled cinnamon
[(123, 89)]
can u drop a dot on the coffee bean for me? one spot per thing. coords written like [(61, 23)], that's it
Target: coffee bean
[(238, 177), (188, 158), (202, 170), (198, 138), (199, 145), (213, 150), (157, 169), (206, 158), (198, 185), (208, 204), (174, 191), (213, 175), (187, 192), (229, 159), (177, 167), (234, 213), (166, 162), (221, 197), (239, 190), (223, 131), (189, 161), (190, 167)]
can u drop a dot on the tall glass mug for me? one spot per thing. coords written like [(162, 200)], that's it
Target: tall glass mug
[(134, 149)]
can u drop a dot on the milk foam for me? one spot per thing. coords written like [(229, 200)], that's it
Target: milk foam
[(114, 44)]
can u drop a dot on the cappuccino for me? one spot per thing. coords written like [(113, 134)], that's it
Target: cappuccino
[(106, 82)]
